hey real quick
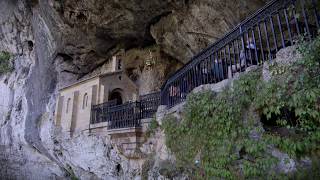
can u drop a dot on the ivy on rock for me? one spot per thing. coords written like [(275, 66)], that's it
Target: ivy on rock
[(218, 128)]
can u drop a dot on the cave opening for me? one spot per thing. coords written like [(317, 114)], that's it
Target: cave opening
[(149, 40), (277, 123)]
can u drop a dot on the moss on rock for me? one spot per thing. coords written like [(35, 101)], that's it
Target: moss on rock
[(5, 65)]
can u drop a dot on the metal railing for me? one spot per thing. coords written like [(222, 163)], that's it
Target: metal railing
[(128, 114), (124, 116), (149, 104), (255, 40), (99, 113)]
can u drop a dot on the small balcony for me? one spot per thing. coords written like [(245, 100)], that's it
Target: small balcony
[(124, 123), (128, 115)]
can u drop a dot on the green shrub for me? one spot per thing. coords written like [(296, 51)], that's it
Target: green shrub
[(169, 169), (297, 90), (5, 62), (308, 172), (214, 125), (152, 127)]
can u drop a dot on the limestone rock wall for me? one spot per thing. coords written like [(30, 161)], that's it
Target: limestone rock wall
[(54, 43), (184, 33)]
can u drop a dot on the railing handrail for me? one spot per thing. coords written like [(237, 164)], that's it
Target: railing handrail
[(108, 103), (123, 106), (133, 111), (155, 92), (212, 46), (174, 89), (146, 96)]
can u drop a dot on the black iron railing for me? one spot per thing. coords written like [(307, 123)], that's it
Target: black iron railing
[(99, 113), (149, 104), (255, 40), (128, 114), (124, 116), (252, 42)]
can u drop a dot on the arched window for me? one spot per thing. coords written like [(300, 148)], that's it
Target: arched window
[(68, 105), (85, 101)]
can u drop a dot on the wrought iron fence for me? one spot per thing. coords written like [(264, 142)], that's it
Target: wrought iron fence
[(149, 104), (99, 113), (124, 116), (252, 42), (255, 40), (128, 114)]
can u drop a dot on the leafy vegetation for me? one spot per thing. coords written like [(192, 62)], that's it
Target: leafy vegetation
[(152, 127), (5, 62), (168, 169), (295, 90), (224, 128), (309, 173)]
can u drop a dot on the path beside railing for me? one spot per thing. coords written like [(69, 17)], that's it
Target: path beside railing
[(254, 41), (279, 24)]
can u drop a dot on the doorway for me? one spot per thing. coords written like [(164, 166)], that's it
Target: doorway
[(117, 96)]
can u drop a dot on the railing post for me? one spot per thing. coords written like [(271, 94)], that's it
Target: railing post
[(91, 119), (305, 17), (140, 112), (161, 97), (244, 56), (205, 67), (314, 4), (140, 115)]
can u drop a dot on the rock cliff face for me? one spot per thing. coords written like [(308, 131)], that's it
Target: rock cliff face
[(56, 42)]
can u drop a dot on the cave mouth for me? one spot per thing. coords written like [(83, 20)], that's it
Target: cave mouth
[(116, 95), (148, 38), (274, 126)]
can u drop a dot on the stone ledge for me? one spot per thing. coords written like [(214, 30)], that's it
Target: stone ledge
[(176, 107), (125, 130), (146, 120), (99, 125)]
